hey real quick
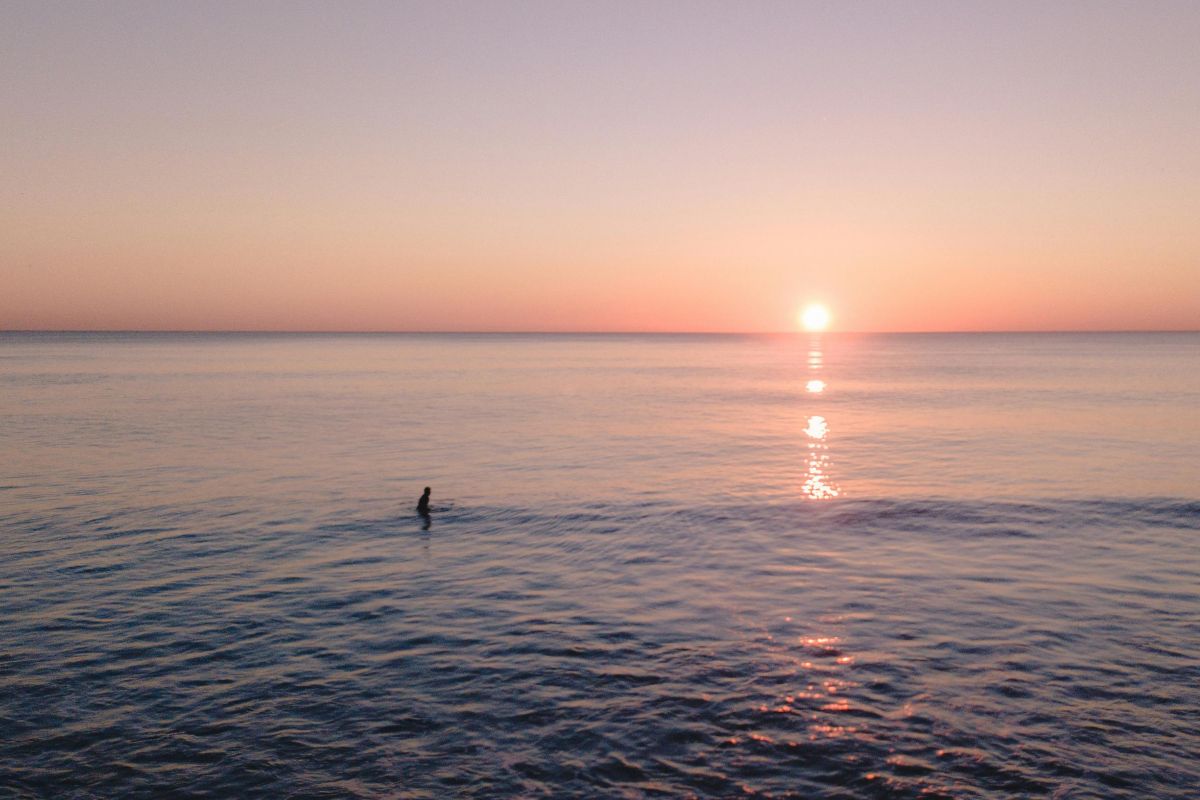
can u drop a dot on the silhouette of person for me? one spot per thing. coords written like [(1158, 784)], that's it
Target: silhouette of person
[(423, 503)]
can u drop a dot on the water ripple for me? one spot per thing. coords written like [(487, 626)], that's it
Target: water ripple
[(521, 653)]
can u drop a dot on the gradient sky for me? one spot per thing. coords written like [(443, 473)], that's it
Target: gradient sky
[(599, 166)]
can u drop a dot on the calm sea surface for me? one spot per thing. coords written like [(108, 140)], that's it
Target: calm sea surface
[(718, 566)]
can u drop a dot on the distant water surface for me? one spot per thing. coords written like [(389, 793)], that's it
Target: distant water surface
[(781, 566)]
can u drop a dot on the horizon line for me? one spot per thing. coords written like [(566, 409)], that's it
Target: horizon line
[(585, 332)]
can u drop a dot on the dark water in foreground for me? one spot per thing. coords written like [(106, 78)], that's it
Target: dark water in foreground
[(662, 566)]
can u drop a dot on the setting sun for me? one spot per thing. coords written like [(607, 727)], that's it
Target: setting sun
[(814, 318)]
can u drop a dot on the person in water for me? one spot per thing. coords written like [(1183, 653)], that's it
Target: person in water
[(423, 503)]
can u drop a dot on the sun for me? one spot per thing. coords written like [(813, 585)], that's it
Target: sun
[(814, 317)]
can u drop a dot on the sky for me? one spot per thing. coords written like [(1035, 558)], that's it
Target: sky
[(569, 166)]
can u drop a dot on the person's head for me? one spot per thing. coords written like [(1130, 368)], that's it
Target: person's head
[(426, 490)]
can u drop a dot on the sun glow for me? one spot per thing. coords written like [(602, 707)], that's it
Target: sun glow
[(814, 318)]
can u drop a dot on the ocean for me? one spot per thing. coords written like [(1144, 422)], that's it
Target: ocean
[(786, 566)]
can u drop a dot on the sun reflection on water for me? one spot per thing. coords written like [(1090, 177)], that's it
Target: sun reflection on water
[(817, 706), (817, 485), (817, 427), (822, 694)]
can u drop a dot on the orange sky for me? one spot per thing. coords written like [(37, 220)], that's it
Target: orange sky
[(529, 166)]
